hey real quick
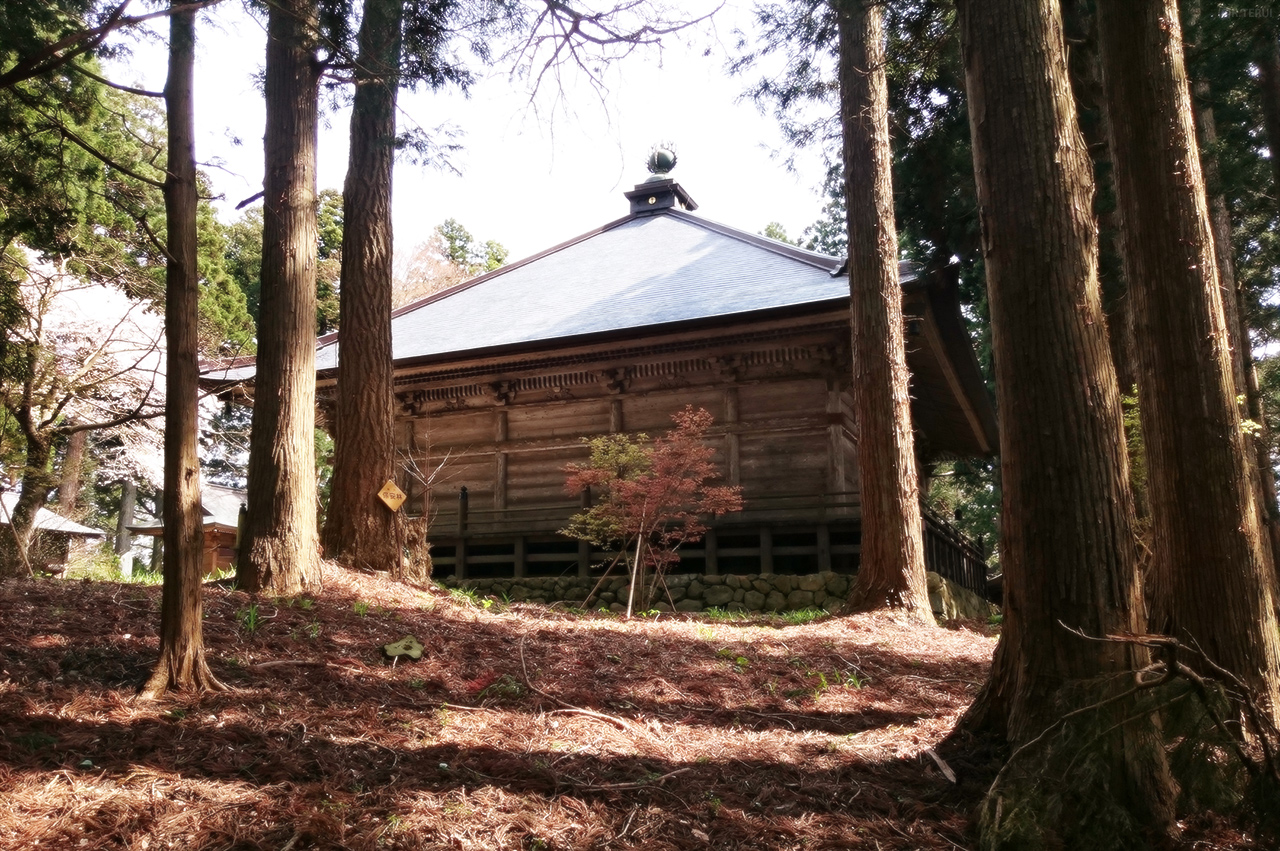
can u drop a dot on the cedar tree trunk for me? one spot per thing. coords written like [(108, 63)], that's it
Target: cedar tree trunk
[(279, 554), (1269, 85), (1068, 549), (1261, 476), (359, 529), (1203, 509), (891, 573), (182, 663)]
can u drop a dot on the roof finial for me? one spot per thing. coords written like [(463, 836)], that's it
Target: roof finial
[(662, 159)]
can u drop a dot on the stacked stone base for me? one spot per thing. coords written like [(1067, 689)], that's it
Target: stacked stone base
[(756, 593)]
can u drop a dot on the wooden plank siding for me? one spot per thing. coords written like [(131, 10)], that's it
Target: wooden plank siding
[(505, 431)]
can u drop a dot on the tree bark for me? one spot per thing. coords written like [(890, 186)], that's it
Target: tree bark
[(1204, 514), (280, 551), (182, 662), (21, 554), (72, 469), (1068, 547), (128, 499), (1261, 476), (1269, 88), (359, 529), (891, 572)]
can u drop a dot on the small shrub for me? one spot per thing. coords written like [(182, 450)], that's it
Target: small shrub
[(360, 607)]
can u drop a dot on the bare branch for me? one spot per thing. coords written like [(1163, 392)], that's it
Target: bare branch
[(61, 52)]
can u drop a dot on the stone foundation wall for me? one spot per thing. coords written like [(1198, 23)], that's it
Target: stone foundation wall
[(691, 593), (755, 593)]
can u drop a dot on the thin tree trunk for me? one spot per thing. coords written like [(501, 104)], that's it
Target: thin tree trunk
[(72, 469), (359, 529), (891, 572), (182, 662), (280, 553), (1204, 515), (1068, 547), (1269, 87), (128, 498)]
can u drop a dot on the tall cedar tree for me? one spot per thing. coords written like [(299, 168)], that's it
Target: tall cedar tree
[(279, 554), (1204, 515), (182, 662), (1067, 515), (358, 528), (891, 573), (1268, 63), (1261, 475)]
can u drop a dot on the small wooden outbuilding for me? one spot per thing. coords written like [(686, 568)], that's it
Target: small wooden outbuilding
[(220, 507)]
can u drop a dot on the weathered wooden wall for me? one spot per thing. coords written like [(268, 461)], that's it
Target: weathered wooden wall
[(786, 437)]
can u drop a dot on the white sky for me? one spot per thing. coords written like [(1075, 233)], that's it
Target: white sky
[(526, 181)]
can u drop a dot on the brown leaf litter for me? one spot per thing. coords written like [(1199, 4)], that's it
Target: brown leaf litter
[(522, 727)]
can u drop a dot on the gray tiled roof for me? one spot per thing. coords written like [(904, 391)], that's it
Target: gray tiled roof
[(640, 271)]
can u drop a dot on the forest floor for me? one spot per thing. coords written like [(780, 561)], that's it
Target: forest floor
[(522, 727)]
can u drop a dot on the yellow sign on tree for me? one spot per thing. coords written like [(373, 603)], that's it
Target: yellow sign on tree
[(392, 495)]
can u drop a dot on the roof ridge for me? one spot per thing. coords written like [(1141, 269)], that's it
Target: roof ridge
[(817, 259)]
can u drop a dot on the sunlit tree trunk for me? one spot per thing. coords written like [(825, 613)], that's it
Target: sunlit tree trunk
[(1203, 508), (1068, 547), (19, 555), (182, 661), (359, 529), (891, 572), (279, 554), (72, 471)]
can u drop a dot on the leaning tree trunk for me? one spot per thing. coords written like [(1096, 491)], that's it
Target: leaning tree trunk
[(1204, 515), (182, 662), (279, 554), (20, 554), (359, 529), (1067, 516), (891, 568)]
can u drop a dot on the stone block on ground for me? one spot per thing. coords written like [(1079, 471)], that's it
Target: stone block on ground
[(689, 606), (950, 601), (799, 600), (811, 582), (718, 595)]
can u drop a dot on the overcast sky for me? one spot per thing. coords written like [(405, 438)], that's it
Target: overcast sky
[(527, 180)]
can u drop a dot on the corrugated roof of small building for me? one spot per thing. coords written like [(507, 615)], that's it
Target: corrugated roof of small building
[(46, 520)]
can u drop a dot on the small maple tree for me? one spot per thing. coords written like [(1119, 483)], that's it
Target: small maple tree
[(650, 496)]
